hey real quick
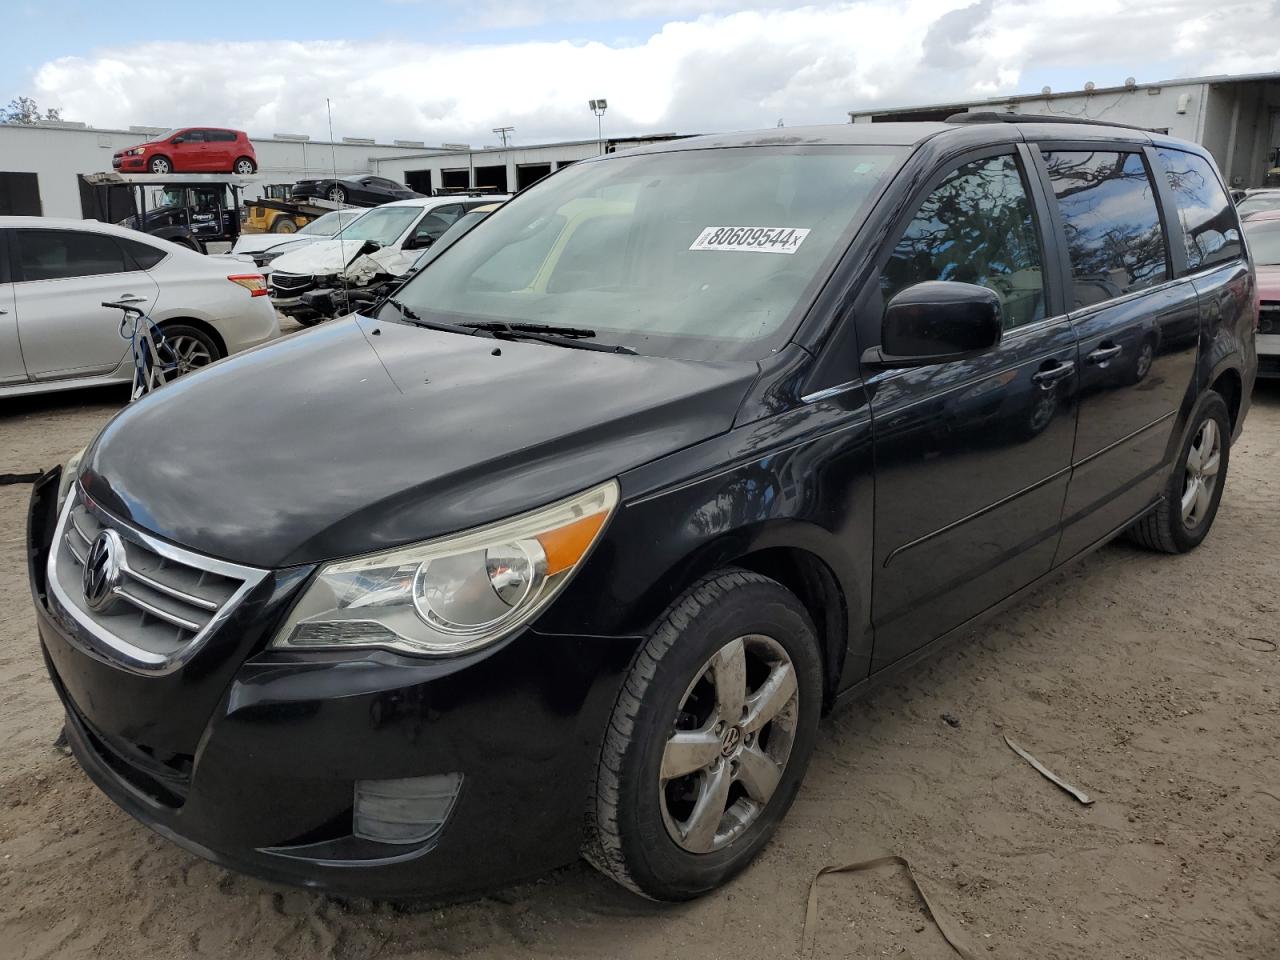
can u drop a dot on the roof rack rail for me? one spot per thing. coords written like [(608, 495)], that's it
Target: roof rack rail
[(991, 116)]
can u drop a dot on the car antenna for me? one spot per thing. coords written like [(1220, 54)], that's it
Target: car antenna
[(342, 244)]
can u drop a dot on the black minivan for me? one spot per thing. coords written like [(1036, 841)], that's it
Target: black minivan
[(566, 547)]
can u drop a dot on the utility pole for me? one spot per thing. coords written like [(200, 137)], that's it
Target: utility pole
[(502, 132)]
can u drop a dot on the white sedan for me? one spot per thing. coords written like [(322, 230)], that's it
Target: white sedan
[(55, 334)]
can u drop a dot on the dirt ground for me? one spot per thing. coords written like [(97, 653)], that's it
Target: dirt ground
[(1149, 681)]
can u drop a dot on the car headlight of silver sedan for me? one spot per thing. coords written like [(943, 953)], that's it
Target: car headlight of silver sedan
[(454, 594)]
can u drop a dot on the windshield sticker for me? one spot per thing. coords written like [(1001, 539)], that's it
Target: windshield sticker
[(751, 239)]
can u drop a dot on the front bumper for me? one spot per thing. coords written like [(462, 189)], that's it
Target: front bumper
[(129, 163), (263, 781)]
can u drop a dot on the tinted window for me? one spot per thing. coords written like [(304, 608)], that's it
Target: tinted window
[(221, 136), (1112, 224), (975, 227), (1208, 218), (142, 254), (61, 254), (194, 136)]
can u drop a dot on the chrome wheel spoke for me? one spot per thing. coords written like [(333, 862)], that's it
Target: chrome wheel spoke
[(1189, 499), (758, 774), (689, 751), (1194, 455), (773, 695), (708, 811), (1210, 466), (729, 672), (1201, 500)]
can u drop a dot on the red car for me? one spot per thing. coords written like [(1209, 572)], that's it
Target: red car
[(1262, 230), (190, 150)]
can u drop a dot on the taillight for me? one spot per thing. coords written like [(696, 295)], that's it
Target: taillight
[(255, 283)]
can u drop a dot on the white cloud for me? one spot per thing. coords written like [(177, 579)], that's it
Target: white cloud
[(715, 71)]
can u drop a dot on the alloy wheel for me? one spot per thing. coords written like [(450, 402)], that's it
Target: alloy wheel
[(1146, 357), (1201, 474), (244, 167), (337, 195), (160, 165), (190, 354), (731, 739)]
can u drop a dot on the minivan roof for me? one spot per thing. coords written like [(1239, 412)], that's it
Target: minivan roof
[(908, 134)]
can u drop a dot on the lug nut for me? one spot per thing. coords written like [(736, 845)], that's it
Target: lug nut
[(719, 728)]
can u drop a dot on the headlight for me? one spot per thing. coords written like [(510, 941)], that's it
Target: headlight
[(454, 594), (69, 471)]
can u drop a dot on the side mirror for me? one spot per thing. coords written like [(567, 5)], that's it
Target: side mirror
[(936, 322), (177, 140)]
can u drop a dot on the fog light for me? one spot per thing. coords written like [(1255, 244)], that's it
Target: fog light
[(411, 810)]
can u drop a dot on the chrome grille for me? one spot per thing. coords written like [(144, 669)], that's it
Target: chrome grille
[(163, 601), (1269, 317), (290, 284)]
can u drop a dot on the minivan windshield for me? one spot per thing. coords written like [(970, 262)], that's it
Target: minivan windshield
[(382, 225), (1264, 241), (703, 254)]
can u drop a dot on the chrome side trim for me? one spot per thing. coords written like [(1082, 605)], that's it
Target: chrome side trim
[(96, 641)]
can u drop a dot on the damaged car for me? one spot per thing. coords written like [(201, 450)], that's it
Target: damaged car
[(382, 244)]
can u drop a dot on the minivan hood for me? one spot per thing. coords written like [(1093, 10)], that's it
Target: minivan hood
[(361, 435)]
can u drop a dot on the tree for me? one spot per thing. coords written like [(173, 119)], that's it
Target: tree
[(25, 111)]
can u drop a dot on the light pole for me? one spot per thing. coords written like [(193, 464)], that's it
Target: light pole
[(502, 132), (598, 107)]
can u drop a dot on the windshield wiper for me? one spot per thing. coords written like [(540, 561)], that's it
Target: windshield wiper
[(504, 326), (418, 321), (576, 338)]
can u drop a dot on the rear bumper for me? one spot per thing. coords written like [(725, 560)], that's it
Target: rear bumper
[(264, 781)]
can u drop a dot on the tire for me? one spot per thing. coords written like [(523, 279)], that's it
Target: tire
[(194, 348), (284, 225), (244, 166), (1168, 528), (337, 194), (644, 831), (161, 165)]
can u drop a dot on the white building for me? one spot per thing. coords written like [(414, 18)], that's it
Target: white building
[(499, 169), (1237, 119), (41, 164)]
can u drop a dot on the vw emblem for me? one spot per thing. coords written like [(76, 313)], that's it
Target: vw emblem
[(101, 573)]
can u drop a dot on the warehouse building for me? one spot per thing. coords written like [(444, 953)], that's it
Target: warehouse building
[(1237, 119), (497, 169), (42, 164)]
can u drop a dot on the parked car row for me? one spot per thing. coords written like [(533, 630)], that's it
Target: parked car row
[(382, 243), (55, 275)]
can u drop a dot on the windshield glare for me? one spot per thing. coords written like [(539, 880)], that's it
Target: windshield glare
[(383, 225), (1258, 201), (705, 254), (329, 224), (1264, 241)]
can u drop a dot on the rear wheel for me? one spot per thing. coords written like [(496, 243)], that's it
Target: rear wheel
[(337, 194), (283, 225), (709, 739), (192, 347), (1194, 490), (244, 166), (161, 165)]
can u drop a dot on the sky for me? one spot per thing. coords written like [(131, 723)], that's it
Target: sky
[(449, 71)]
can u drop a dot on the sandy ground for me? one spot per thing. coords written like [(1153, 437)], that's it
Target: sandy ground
[(1149, 681)]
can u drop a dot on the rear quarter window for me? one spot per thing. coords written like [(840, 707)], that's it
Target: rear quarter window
[(1210, 224), (142, 254)]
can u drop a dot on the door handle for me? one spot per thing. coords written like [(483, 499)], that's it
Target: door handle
[(1104, 353), (130, 298), (1052, 372)]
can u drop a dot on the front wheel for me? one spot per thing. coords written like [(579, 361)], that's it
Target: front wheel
[(161, 165), (337, 195), (709, 739), (284, 225), (1194, 490)]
